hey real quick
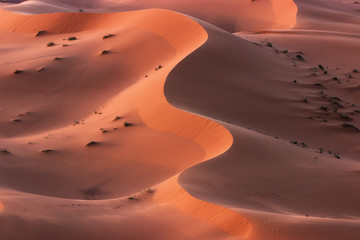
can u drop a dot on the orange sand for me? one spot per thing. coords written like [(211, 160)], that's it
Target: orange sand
[(206, 153)]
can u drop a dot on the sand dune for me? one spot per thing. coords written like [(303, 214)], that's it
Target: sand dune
[(230, 15), (330, 15), (158, 121), (39, 130)]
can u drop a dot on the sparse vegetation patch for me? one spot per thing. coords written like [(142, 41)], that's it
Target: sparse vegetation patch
[(347, 125), (108, 36), (4, 150)]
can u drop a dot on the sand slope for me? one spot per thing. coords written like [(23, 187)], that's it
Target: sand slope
[(233, 15), (256, 105), (46, 136), (281, 187)]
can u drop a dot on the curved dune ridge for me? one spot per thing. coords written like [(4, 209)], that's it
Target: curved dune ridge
[(281, 188), (233, 15), (146, 97), (261, 181)]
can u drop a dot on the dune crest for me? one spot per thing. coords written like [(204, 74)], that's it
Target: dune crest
[(231, 15), (145, 96), (177, 127), (285, 14)]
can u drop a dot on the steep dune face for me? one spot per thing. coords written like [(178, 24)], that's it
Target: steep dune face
[(230, 15), (280, 186), (247, 72)]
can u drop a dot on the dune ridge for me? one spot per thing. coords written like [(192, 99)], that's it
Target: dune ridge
[(154, 110), (259, 182), (231, 15), (266, 171), (77, 22)]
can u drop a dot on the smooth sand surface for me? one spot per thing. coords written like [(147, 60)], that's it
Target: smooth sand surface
[(173, 128), (231, 15)]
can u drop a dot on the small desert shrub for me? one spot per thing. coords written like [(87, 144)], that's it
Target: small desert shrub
[(319, 85), (345, 117), (47, 151), (92, 143), (50, 44), (40, 33), (338, 104), (321, 67), (80, 10), (104, 52), (149, 190), (347, 125), (355, 71), (126, 124), (300, 57), (325, 109), (294, 142), (72, 38), (108, 36), (269, 44), (336, 155), (304, 145), (305, 100), (17, 71), (158, 68), (4, 150)]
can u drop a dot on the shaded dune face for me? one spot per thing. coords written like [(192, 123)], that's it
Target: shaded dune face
[(231, 15)]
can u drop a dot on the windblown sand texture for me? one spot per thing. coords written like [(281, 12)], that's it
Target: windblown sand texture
[(180, 120)]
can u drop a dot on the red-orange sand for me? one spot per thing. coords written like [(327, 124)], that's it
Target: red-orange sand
[(238, 120)]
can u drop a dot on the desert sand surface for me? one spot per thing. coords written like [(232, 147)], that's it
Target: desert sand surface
[(179, 120), (232, 15)]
